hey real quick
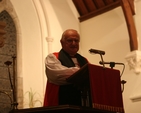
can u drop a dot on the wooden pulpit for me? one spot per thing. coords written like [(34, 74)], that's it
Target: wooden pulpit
[(101, 92), (101, 87)]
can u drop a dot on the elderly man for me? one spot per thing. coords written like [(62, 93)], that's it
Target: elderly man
[(60, 66)]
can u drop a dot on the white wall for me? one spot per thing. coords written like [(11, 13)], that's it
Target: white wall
[(35, 32), (31, 46), (108, 32), (137, 20)]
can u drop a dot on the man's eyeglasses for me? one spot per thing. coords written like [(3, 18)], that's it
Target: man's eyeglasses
[(71, 40)]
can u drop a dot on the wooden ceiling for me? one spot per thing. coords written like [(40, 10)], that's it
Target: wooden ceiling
[(90, 8)]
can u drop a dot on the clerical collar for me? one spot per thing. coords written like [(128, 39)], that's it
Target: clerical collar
[(68, 54), (73, 56)]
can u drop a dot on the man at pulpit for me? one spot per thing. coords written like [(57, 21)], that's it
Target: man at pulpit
[(61, 65)]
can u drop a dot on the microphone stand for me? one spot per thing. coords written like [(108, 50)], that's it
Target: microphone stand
[(102, 60), (112, 64)]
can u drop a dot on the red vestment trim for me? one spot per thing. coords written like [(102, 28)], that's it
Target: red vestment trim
[(51, 94)]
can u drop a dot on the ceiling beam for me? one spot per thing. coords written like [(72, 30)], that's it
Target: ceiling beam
[(128, 13), (99, 11)]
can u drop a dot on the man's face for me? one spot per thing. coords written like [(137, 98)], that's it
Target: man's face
[(71, 43)]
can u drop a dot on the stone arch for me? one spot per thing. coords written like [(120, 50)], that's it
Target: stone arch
[(6, 5)]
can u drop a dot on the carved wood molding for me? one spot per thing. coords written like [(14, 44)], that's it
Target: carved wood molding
[(128, 13), (131, 3), (99, 11)]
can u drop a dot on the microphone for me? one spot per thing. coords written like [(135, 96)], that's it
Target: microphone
[(97, 51), (110, 63)]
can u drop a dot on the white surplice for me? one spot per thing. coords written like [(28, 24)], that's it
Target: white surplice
[(56, 72)]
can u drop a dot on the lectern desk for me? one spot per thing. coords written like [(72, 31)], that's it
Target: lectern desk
[(101, 85)]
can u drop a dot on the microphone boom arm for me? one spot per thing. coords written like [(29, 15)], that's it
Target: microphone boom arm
[(102, 61)]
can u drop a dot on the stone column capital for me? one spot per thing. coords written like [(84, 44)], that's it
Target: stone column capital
[(134, 61)]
